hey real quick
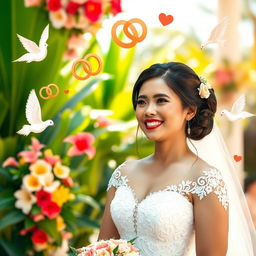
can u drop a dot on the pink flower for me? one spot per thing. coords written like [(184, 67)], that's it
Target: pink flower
[(36, 145), (93, 10), (24, 231), (223, 76), (51, 210), (37, 217), (32, 3), (116, 7), (82, 143), (10, 161), (29, 156), (72, 7), (102, 121), (54, 5), (79, 1), (68, 182)]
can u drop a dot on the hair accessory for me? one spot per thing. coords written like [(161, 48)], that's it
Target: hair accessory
[(203, 88)]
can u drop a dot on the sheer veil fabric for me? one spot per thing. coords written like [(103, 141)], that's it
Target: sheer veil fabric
[(242, 235)]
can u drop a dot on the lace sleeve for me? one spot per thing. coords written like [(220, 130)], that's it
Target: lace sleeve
[(211, 181), (117, 179)]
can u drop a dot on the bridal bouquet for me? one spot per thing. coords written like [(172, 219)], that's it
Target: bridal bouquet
[(111, 247)]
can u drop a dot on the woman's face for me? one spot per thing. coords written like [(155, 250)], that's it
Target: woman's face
[(159, 111)]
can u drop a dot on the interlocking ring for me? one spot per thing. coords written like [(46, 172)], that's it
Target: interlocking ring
[(48, 91), (87, 67), (135, 38)]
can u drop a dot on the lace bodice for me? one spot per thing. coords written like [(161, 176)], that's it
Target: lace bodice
[(163, 221)]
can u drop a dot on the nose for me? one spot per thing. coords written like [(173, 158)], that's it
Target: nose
[(150, 110)]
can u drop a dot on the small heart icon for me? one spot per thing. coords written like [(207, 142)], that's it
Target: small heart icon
[(165, 19), (66, 91), (237, 158)]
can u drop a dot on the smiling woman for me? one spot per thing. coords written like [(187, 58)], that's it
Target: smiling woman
[(173, 201)]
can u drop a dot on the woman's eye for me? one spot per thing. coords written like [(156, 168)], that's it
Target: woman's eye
[(140, 102), (162, 100)]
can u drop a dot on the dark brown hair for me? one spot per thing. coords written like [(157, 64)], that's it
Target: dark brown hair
[(184, 82)]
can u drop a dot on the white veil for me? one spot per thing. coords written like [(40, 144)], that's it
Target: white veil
[(242, 235)]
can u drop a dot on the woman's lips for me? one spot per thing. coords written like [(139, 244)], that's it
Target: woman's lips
[(152, 125)]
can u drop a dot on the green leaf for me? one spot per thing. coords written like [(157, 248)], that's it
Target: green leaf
[(11, 218), (28, 223), (6, 202), (50, 227), (72, 251), (84, 221), (35, 209), (88, 200), (11, 248)]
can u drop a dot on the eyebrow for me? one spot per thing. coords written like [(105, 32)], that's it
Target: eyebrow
[(155, 96)]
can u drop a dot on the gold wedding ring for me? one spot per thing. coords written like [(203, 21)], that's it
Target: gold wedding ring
[(48, 91)]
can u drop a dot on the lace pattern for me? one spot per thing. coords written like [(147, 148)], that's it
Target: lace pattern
[(211, 181)]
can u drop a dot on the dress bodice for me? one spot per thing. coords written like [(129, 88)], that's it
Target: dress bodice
[(163, 221)]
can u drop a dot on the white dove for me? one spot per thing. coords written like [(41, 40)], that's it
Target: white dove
[(35, 52), (236, 111), (33, 115), (217, 33)]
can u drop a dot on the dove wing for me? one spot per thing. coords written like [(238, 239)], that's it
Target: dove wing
[(239, 105), (33, 109), (220, 29), (44, 36), (29, 45)]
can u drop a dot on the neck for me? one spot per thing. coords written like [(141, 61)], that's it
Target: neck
[(171, 150)]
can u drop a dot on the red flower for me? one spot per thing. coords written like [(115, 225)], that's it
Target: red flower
[(82, 143), (43, 197), (54, 5), (116, 7), (39, 237), (72, 7), (51, 210), (93, 10)]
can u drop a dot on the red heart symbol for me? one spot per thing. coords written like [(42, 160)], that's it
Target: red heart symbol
[(237, 158), (66, 91), (165, 19)]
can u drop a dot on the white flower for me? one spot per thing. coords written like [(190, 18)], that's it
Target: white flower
[(58, 18), (204, 90), (25, 200), (49, 184)]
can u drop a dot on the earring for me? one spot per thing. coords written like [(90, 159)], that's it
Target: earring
[(188, 128)]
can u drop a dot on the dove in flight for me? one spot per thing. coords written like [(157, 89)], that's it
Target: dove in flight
[(33, 115), (35, 52), (217, 34), (236, 111)]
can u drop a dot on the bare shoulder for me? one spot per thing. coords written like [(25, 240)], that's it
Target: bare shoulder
[(200, 167)]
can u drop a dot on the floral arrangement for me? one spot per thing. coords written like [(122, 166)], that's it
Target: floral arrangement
[(231, 77), (84, 15), (111, 247), (44, 193), (78, 16)]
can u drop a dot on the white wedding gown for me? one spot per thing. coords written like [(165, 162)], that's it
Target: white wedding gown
[(163, 222)]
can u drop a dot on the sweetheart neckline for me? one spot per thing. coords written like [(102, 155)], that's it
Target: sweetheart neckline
[(137, 202)]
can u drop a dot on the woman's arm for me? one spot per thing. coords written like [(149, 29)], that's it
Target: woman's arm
[(211, 226), (108, 229)]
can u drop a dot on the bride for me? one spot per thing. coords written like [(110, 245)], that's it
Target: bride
[(182, 199)]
